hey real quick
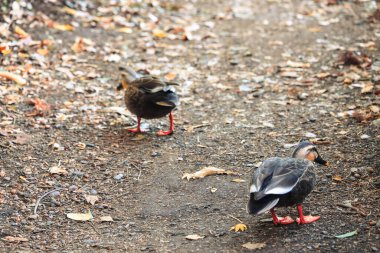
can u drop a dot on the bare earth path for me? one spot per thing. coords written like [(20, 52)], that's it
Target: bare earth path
[(256, 76)]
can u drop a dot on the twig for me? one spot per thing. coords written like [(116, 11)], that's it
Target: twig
[(233, 217), (353, 208), (43, 196), (92, 225), (138, 177)]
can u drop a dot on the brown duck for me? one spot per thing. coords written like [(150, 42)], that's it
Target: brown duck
[(148, 97)]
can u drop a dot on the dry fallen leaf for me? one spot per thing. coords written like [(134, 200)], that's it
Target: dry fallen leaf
[(367, 88), (106, 218), (337, 178), (251, 245), (80, 216), (213, 189), (159, 33), (14, 77), (238, 180), (194, 237), (58, 170), (170, 76), (207, 171), (61, 27), (40, 107), (21, 33), (14, 239), (22, 138), (81, 44), (91, 199), (125, 30), (239, 227)]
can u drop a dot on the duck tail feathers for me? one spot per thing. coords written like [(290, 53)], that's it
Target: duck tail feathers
[(262, 205)]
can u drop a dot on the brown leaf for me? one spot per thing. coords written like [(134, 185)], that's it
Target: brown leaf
[(170, 76), (61, 27), (368, 87), (251, 245), (14, 239), (91, 199), (40, 107), (337, 178), (207, 171), (58, 170), (22, 138), (14, 77)]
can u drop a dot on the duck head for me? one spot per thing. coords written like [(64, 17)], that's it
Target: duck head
[(307, 150)]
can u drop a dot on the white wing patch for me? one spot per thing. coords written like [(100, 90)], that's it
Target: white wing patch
[(253, 189), (280, 190), (269, 206)]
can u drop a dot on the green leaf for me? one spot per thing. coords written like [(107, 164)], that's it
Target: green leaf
[(355, 232)]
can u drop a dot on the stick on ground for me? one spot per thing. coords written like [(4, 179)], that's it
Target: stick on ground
[(43, 196)]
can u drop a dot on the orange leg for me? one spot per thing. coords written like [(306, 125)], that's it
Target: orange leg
[(280, 220), (137, 129), (171, 129), (305, 219)]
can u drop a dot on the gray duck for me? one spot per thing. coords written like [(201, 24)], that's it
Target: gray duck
[(282, 182)]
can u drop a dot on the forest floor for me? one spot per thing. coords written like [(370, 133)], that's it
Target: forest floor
[(256, 77)]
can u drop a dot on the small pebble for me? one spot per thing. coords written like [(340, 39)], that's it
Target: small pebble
[(364, 136), (118, 176), (93, 192), (73, 188), (55, 193), (378, 224), (310, 135)]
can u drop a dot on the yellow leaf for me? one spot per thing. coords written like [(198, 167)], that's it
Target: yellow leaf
[(69, 10), (80, 216), (21, 33), (159, 33), (125, 30), (42, 51), (239, 227), (194, 237), (207, 171), (337, 178), (251, 245), (63, 27)]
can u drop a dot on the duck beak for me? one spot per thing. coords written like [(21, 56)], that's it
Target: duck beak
[(321, 161)]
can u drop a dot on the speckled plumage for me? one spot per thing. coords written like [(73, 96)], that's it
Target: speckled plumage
[(143, 95)]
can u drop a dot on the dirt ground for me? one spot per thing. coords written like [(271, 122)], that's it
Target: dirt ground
[(256, 77)]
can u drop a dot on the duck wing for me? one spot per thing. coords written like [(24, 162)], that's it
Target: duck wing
[(277, 176), (157, 91)]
